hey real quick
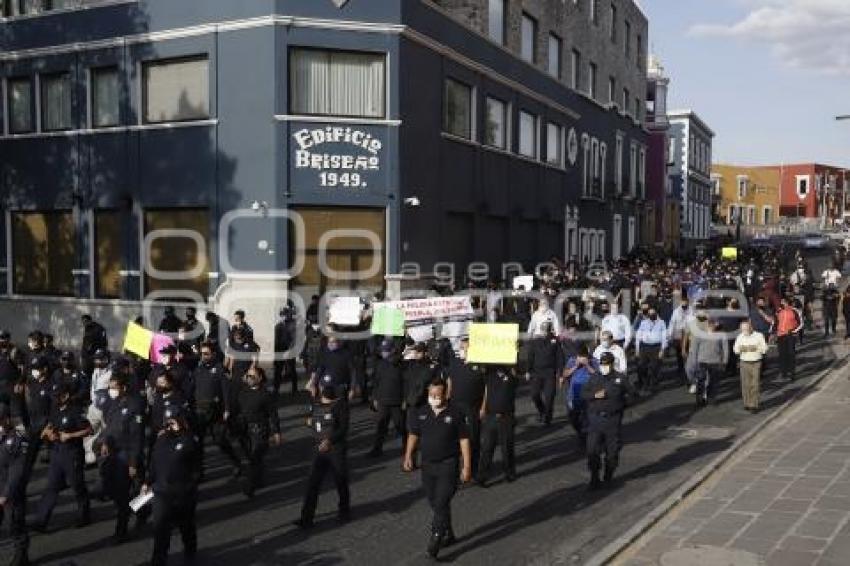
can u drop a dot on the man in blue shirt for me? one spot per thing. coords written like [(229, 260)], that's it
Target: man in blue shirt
[(650, 344), (577, 372)]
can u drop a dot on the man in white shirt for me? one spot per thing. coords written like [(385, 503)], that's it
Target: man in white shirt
[(101, 374), (831, 276), (544, 315), (751, 347), (618, 325), (609, 345), (676, 334)]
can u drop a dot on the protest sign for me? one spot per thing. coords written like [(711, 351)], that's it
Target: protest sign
[(138, 340), (159, 342), (493, 343), (524, 281), (417, 310), (421, 333), (388, 321), (346, 311), (729, 253)]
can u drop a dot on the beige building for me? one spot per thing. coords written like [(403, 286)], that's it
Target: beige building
[(748, 194)]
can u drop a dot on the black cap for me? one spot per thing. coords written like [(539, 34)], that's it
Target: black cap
[(168, 349), (606, 358)]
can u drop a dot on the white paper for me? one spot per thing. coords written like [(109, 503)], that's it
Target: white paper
[(421, 333), (455, 329), (346, 311), (140, 501), (526, 281)]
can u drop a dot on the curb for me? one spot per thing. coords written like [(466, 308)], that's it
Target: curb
[(630, 537)]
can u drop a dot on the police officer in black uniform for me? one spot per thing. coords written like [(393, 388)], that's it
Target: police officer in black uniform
[(418, 374), (334, 368), (387, 396), (545, 364), (255, 411), (285, 334), (211, 391), (11, 382), (606, 394), (329, 422), (497, 422), (41, 393), (166, 396), (122, 442), (65, 431), (169, 362), (466, 392), (439, 431), (173, 477), (242, 354), (69, 375), (14, 476), (170, 323)]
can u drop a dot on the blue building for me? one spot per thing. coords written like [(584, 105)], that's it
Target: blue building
[(154, 149)]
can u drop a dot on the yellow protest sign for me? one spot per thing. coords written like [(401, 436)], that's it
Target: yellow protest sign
[(493, 343), (138, 340), (729, 253)]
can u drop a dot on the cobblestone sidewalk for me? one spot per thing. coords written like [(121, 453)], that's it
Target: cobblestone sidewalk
[(785, 500)]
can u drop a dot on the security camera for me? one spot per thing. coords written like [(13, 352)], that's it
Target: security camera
[(412, 201)]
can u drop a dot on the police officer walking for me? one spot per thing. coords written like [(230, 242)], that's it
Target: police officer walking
[(466, 392), (65, 431), (387, 396), (439, 431), (14, 477), (545, 364), (211, 400), (329, 422), (334, 368), (41, 394), (173, 478), (605, 395), (69, 375), (497, 422), (285, 334), (255, 411)]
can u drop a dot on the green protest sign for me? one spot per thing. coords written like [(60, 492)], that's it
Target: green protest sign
[(388, 321)]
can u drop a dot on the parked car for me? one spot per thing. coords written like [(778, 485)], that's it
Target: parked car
[(815, 240)]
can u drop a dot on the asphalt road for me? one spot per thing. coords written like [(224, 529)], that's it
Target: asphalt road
[(545, 517)]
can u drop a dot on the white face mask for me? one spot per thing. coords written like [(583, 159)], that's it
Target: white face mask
[(604, 370), (36, 373), (435, 402), (165, 360), (113, 394), (462, 354)]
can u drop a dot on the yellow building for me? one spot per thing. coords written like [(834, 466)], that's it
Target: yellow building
[(751, 194)]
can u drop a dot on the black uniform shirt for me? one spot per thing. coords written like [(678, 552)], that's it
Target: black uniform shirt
[(544, 357), (174, 465), (467, 384), (501, 392), (330, 422), (77, 381), (124, 426), (616, 387), (162, 403), (334, 367), (439, 435), (417, 376), (40, 396), (389, 382), (13, 464), (209, 384), (256, 406), (69, 419)]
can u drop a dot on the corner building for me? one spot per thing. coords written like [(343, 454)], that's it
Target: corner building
[(153, 149)]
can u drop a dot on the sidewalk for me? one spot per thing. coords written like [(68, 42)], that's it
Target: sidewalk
[(784, 500)]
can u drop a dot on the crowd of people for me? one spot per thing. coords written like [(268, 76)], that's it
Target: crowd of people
[(599, 333)]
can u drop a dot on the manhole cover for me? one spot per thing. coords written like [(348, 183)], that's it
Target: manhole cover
[(710, 556)]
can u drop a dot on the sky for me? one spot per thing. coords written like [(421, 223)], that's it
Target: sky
[(768, 76)]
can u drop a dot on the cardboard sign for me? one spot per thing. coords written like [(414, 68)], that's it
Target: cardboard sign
[(387, 321), (418, 310), (524, 281), (421, 333), (729, 253), (160, 341), (346, 311), (493, 343), (138, 340)]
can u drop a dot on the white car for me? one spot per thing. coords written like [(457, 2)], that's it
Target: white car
[(814, 240)]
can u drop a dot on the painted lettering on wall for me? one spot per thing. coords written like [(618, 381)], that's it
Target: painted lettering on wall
[(340, 155)]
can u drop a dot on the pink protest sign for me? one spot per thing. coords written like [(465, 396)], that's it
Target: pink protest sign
[(160, 341)]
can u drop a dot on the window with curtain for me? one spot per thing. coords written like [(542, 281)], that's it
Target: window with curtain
[(105, 97), (457, 118), (337, 83), (176, 90), (495, 130), (21, 118), (528, 135), (108, 241), (55, 102), (178, 253), (43, 252)]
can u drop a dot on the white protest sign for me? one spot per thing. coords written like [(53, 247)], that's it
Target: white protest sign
[(346, 311), (524, 281), (417, 310)]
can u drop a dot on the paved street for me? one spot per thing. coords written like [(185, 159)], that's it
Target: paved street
[(783, 501), (545, 517)]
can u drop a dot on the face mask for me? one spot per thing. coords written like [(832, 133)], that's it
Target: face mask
[(174, 429), (604, 370), (435, 402), (333, 346), (36, 374), (166, 360), (462, 354), (114, 393), (385, 355)]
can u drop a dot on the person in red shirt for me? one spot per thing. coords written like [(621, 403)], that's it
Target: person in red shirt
[(789, 322)]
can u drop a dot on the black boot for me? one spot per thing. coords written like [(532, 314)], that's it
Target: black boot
[(609, 475), (434, 544), (594, 481)]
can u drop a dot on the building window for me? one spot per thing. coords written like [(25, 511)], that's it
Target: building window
[(337, 83), (626, 101), (594, 12), (637, 108), (554, 144), (639, 52), (642, 172), (802, 185), (176, 91), (766, 215), (108, 241), (528, 135), (21, 106), (55, 102), (554, 55), (627, 39), (457, 119), (612, 89), (576, 68), (495, 129), (613, 23), (529, 38), (742, 188), (633, 165), (496, 21), (618, 164), (105, 97), (44, 252), (178, 253), (591, 80)]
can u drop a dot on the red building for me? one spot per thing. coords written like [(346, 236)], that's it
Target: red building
[(807, 188)]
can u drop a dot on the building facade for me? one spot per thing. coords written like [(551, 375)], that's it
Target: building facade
[(235, 152), (690, 148), (813, 190), (664, 231), (746, 195)]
